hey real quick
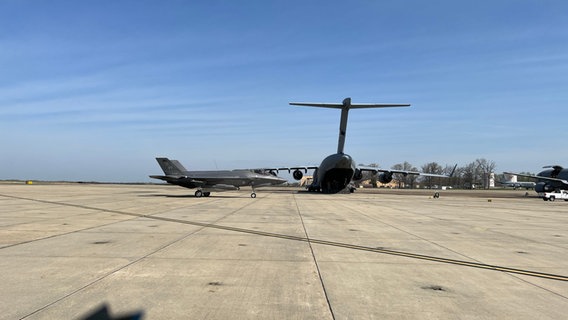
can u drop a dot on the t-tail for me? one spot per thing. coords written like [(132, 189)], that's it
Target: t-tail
[(171, 167), (345, 106)]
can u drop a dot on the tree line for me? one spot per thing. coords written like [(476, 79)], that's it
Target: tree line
[(476, 174)]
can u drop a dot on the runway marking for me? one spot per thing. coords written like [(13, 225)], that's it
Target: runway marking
[(322, 242)]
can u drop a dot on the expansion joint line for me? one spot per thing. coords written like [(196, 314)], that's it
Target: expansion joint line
[(314, 257), (135, 216), (326, 243)]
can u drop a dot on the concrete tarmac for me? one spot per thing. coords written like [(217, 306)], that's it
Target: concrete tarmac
[(67, 249)]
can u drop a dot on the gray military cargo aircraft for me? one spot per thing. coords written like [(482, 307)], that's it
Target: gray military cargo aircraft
[(510, 180), (336, 171), (552, 179), (205, 181)]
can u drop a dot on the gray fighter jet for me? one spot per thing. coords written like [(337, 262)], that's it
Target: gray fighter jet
[(205, 181), (336, 172), (552, 179)]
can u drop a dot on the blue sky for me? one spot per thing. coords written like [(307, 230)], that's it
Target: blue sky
[(94, 90)]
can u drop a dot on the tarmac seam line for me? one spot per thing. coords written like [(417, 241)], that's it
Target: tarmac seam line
[(315, 260), (126, 265), (330, 243)]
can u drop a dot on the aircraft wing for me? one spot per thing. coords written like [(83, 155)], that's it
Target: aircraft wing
[(289, 169), (165, 178), (405, 173), (176, 178), (537, 177)]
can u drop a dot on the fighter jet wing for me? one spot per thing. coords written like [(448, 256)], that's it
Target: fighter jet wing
[(179, 178), (165, 178), (537, 177)]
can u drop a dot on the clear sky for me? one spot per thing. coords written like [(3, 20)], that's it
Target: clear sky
[(95, 90)]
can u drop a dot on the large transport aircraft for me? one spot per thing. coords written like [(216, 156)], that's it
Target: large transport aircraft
[(554, 178), (511, 182), (205, 181), (336, 171)]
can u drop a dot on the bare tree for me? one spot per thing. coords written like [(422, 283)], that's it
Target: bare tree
[(525, 179), (434, 168), (407, 180), (485, 167)]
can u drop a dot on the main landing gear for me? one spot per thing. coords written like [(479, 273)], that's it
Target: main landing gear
[(200, 194)]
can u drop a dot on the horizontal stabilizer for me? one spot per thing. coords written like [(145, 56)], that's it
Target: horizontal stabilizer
[(345, 106), (352, 106)]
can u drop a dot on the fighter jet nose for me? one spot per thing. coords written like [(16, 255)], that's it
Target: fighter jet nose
[(280, 180)]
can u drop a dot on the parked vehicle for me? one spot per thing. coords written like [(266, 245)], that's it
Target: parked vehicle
[(551, 196)]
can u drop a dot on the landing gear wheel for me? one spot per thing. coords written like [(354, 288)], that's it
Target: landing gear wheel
[(253, 195), (198, 194)]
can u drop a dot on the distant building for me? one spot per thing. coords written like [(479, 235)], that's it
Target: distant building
[(367, 184), (306, 181)]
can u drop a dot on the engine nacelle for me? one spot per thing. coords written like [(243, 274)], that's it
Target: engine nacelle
[(384, 177), (543, 187), (297, 174), (358, 175)]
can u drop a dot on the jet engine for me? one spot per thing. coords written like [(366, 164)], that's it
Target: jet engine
[(297, 174), (543, 187), (358, 175), (384, 177)]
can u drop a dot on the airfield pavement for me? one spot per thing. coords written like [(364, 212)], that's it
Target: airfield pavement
[(67, 249)]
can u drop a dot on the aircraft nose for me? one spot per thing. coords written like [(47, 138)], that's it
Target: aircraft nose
[(277, 180)]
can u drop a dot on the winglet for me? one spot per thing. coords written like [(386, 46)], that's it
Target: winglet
[(453, 171)]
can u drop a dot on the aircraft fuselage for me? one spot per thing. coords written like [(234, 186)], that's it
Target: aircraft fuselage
[(236, 178), (556, 172), (335, 173)]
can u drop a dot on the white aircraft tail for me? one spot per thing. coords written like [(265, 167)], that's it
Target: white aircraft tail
[(510, 177)]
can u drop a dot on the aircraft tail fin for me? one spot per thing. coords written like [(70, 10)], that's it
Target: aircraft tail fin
[(509, 178), (171, 167), (345, 106)]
